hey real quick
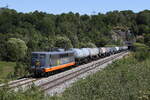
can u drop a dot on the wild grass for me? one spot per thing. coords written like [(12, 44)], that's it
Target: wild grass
[(31, 94), (6, 69)]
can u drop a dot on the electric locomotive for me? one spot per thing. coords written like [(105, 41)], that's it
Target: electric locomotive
[(45, 62)]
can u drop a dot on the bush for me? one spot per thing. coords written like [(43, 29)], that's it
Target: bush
[(20, 69), (16, 49), (31, 94), (63, 42), (147, 39), (141, 51), (87, 45)]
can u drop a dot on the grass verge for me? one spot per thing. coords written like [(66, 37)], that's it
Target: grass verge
[(6, 69)]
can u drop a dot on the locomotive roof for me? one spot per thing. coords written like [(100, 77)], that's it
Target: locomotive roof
[(53, 52)]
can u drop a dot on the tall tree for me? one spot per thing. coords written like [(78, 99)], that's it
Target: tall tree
[(16, 49)]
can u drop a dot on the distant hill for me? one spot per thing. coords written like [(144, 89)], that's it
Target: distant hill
[(41, 31)]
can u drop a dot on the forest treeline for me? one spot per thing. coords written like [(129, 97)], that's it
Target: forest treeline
[(22, 33)]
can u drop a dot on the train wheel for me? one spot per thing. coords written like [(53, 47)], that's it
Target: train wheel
[(46, 74)]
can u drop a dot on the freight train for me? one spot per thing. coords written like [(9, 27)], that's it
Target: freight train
[(44, 63)]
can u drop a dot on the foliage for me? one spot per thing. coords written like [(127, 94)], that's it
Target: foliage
[(3, 53), (102, 41), (147, 39), (139, 46), (20, 70), (140, 39), (63, 42), (141, 51), (6, 70), (31, 94), (16, 49), (110, 45), (87, 45)]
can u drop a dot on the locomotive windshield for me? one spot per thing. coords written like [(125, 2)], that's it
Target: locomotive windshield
[(38, 58), (42, 56), (35, 56), (42, 59)]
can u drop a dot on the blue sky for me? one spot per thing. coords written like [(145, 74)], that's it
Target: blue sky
[(81, 6)]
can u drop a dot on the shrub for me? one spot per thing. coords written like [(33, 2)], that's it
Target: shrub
[(63, 42), (16, 49), (87, 45), (31, 94), (141, 51), (20, 69)]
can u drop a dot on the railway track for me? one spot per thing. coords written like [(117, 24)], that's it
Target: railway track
[(18, 83), (60, 80), (46, 86)]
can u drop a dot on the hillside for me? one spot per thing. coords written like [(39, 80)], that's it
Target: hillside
[(42, 31)]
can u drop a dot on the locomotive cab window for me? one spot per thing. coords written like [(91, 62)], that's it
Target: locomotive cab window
[(50, 62), (34, 56), (63, 55), (42, 56)]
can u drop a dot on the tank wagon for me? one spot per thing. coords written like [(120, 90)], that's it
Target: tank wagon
[(93, 52), (80, 55), (43, 63), (103, 52)]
